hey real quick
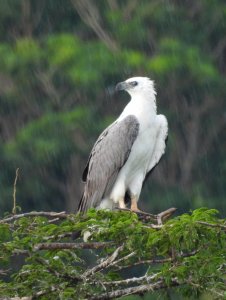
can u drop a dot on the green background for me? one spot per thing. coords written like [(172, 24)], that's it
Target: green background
[(59, 63)]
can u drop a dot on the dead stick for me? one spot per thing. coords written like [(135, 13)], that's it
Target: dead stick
[(212, 225), (104, 264), (61, 215), (165, 215), (14, 192)]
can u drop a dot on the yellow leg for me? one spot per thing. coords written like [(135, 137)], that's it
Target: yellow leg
[(134, 205), (121, 203)]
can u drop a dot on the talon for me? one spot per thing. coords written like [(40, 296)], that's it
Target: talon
[(134, 205), (122, 203)]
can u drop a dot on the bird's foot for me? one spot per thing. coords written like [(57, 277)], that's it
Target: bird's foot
[(122, 204), (133, 206), (136, 210)]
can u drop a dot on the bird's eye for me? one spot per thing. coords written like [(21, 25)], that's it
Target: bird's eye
[(134, 83)]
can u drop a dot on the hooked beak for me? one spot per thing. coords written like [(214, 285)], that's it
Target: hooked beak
[(122, 86)]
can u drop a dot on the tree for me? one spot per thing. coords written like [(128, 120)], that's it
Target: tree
[(62, 58), (106, 255)]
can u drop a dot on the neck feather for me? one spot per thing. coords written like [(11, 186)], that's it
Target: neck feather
[(145, 100)]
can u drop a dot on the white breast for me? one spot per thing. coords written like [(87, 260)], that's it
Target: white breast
[(143, 155)]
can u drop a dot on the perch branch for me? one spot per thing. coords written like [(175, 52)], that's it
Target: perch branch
[(139, 213), (159, 218)]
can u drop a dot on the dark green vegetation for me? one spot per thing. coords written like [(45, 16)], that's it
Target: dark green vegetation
[(129, 255), (59, 62)]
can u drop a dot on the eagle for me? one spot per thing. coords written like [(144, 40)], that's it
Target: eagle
[(126, 151)]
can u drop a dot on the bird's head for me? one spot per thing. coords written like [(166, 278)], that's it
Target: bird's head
[(137, 86)]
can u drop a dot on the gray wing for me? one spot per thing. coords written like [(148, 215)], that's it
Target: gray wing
[(109, 154)]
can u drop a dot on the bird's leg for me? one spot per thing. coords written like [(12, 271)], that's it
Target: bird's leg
[(121, 203), (134, 205)]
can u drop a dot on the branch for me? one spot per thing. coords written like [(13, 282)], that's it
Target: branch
[(60, 246), (61, 215), (121, 259), (141, 214), (159, 218), (156, 261), (90, 15), (132, 280), (104, 264), (212, 225), (14, 192), (134, 290), (165, 215), (144, 262)]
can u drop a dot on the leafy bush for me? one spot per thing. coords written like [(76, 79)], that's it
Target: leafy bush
[(55, 254)]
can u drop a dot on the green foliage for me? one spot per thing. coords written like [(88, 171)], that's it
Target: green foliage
[(54, 65), (188, 250)]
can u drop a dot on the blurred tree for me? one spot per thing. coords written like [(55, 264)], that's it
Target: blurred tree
[(59, 63)]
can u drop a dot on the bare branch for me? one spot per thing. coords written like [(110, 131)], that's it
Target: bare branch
[(104, 264), (124, 258), (212, 225), (156, 261), (159, 218), (17, 298), (91, 17), (58, 246), (134, 290), (144, 262), (141, 214), (14, 192), (132, 280), (61, 215), (165, 215)]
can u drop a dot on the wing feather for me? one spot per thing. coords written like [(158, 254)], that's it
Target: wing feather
[(109, 154)]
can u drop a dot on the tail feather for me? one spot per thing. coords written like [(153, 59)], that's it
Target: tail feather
[(82, 207)]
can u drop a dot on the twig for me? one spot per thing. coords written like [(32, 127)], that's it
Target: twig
[(17, 298), (58, 236), (132, 280), (156, 261), (4, 272), (14, 192), (58, 246), (121, 259), (61, 215), (134, 290), (20, 252), (142, 214), (143, 262), (159, 218), (104, 264), (91, 16), (154, 226), (165, 215), (212, 225)]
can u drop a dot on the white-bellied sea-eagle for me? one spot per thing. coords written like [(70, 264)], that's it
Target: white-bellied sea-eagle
[(126, 151)]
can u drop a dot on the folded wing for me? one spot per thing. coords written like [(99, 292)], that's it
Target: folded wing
[(107, 157)]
